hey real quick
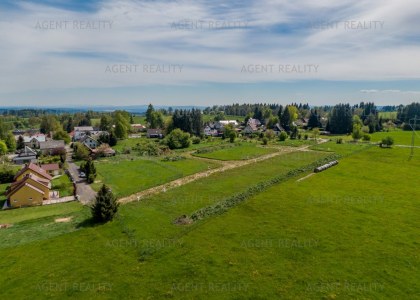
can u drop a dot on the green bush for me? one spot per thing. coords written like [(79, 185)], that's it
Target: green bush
[(387, 142), (366, 137), (177, 139), (196, 140), (264, 141), (283, 136)]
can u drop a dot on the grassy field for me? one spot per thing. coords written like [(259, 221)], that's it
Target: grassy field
[(391, 115), (62, 184), (400, 137), (342, 149), (296, 240), (128, 143), (239, 152), (126, 176), (38, 223)]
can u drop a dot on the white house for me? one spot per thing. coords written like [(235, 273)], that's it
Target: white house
[(82, 131), (90, 142)]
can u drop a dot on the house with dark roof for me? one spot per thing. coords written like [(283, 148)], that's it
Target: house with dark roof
[(154, 133), (27, 155), (277, 128)]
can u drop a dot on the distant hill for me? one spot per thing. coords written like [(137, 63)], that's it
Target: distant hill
[(135, 109)]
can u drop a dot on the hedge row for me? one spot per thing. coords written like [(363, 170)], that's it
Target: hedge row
[(234, 200)]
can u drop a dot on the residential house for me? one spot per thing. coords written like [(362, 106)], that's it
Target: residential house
[(277, 128), (31, 187), (301, 122), (250, 128), (103, 150), (154, 133), (51, 169), (27, 155), (34, 140), (82, 131), (29, 132), (137, 127), (255, 122), (52, 147), (32, 169), (226, 122), (210, 131), (90, 142)]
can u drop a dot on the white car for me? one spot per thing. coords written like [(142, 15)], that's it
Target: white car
[(82, 175)]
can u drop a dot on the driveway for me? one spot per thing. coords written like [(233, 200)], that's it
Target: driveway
[(84, 191)]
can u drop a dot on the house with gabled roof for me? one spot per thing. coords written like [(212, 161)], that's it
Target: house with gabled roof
[(27, 155), (32, 169), (34, 140), (31, 187), (90, 142)]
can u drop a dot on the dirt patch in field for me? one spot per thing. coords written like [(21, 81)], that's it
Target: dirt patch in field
[(63, 220), (5, 226), (183, 220)]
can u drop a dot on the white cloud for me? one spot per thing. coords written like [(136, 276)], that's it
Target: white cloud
[(141, 33)]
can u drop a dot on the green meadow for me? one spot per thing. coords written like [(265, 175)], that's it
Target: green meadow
[(293, 240), (127, 175), (238, 152)]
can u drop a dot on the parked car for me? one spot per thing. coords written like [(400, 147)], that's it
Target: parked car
[(82, 175)]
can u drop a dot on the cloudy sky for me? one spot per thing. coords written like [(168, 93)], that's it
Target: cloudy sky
[(205, 52)]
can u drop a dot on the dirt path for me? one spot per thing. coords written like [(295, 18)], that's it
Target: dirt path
[(226, 165)]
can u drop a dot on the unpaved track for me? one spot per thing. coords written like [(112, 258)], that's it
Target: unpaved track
[(226, 165)]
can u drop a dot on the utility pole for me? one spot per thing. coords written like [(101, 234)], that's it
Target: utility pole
[(413, 126)]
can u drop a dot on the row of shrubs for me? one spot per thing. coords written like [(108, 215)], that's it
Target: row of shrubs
[(234, 200)]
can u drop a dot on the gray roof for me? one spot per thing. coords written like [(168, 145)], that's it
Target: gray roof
[(52, 144)]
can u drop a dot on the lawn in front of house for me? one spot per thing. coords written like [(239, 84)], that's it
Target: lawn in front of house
[(63, 185)]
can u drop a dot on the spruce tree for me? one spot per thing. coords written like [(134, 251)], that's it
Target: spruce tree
[(105, 206)]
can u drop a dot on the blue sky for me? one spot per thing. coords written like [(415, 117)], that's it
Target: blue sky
[(208, 52)]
